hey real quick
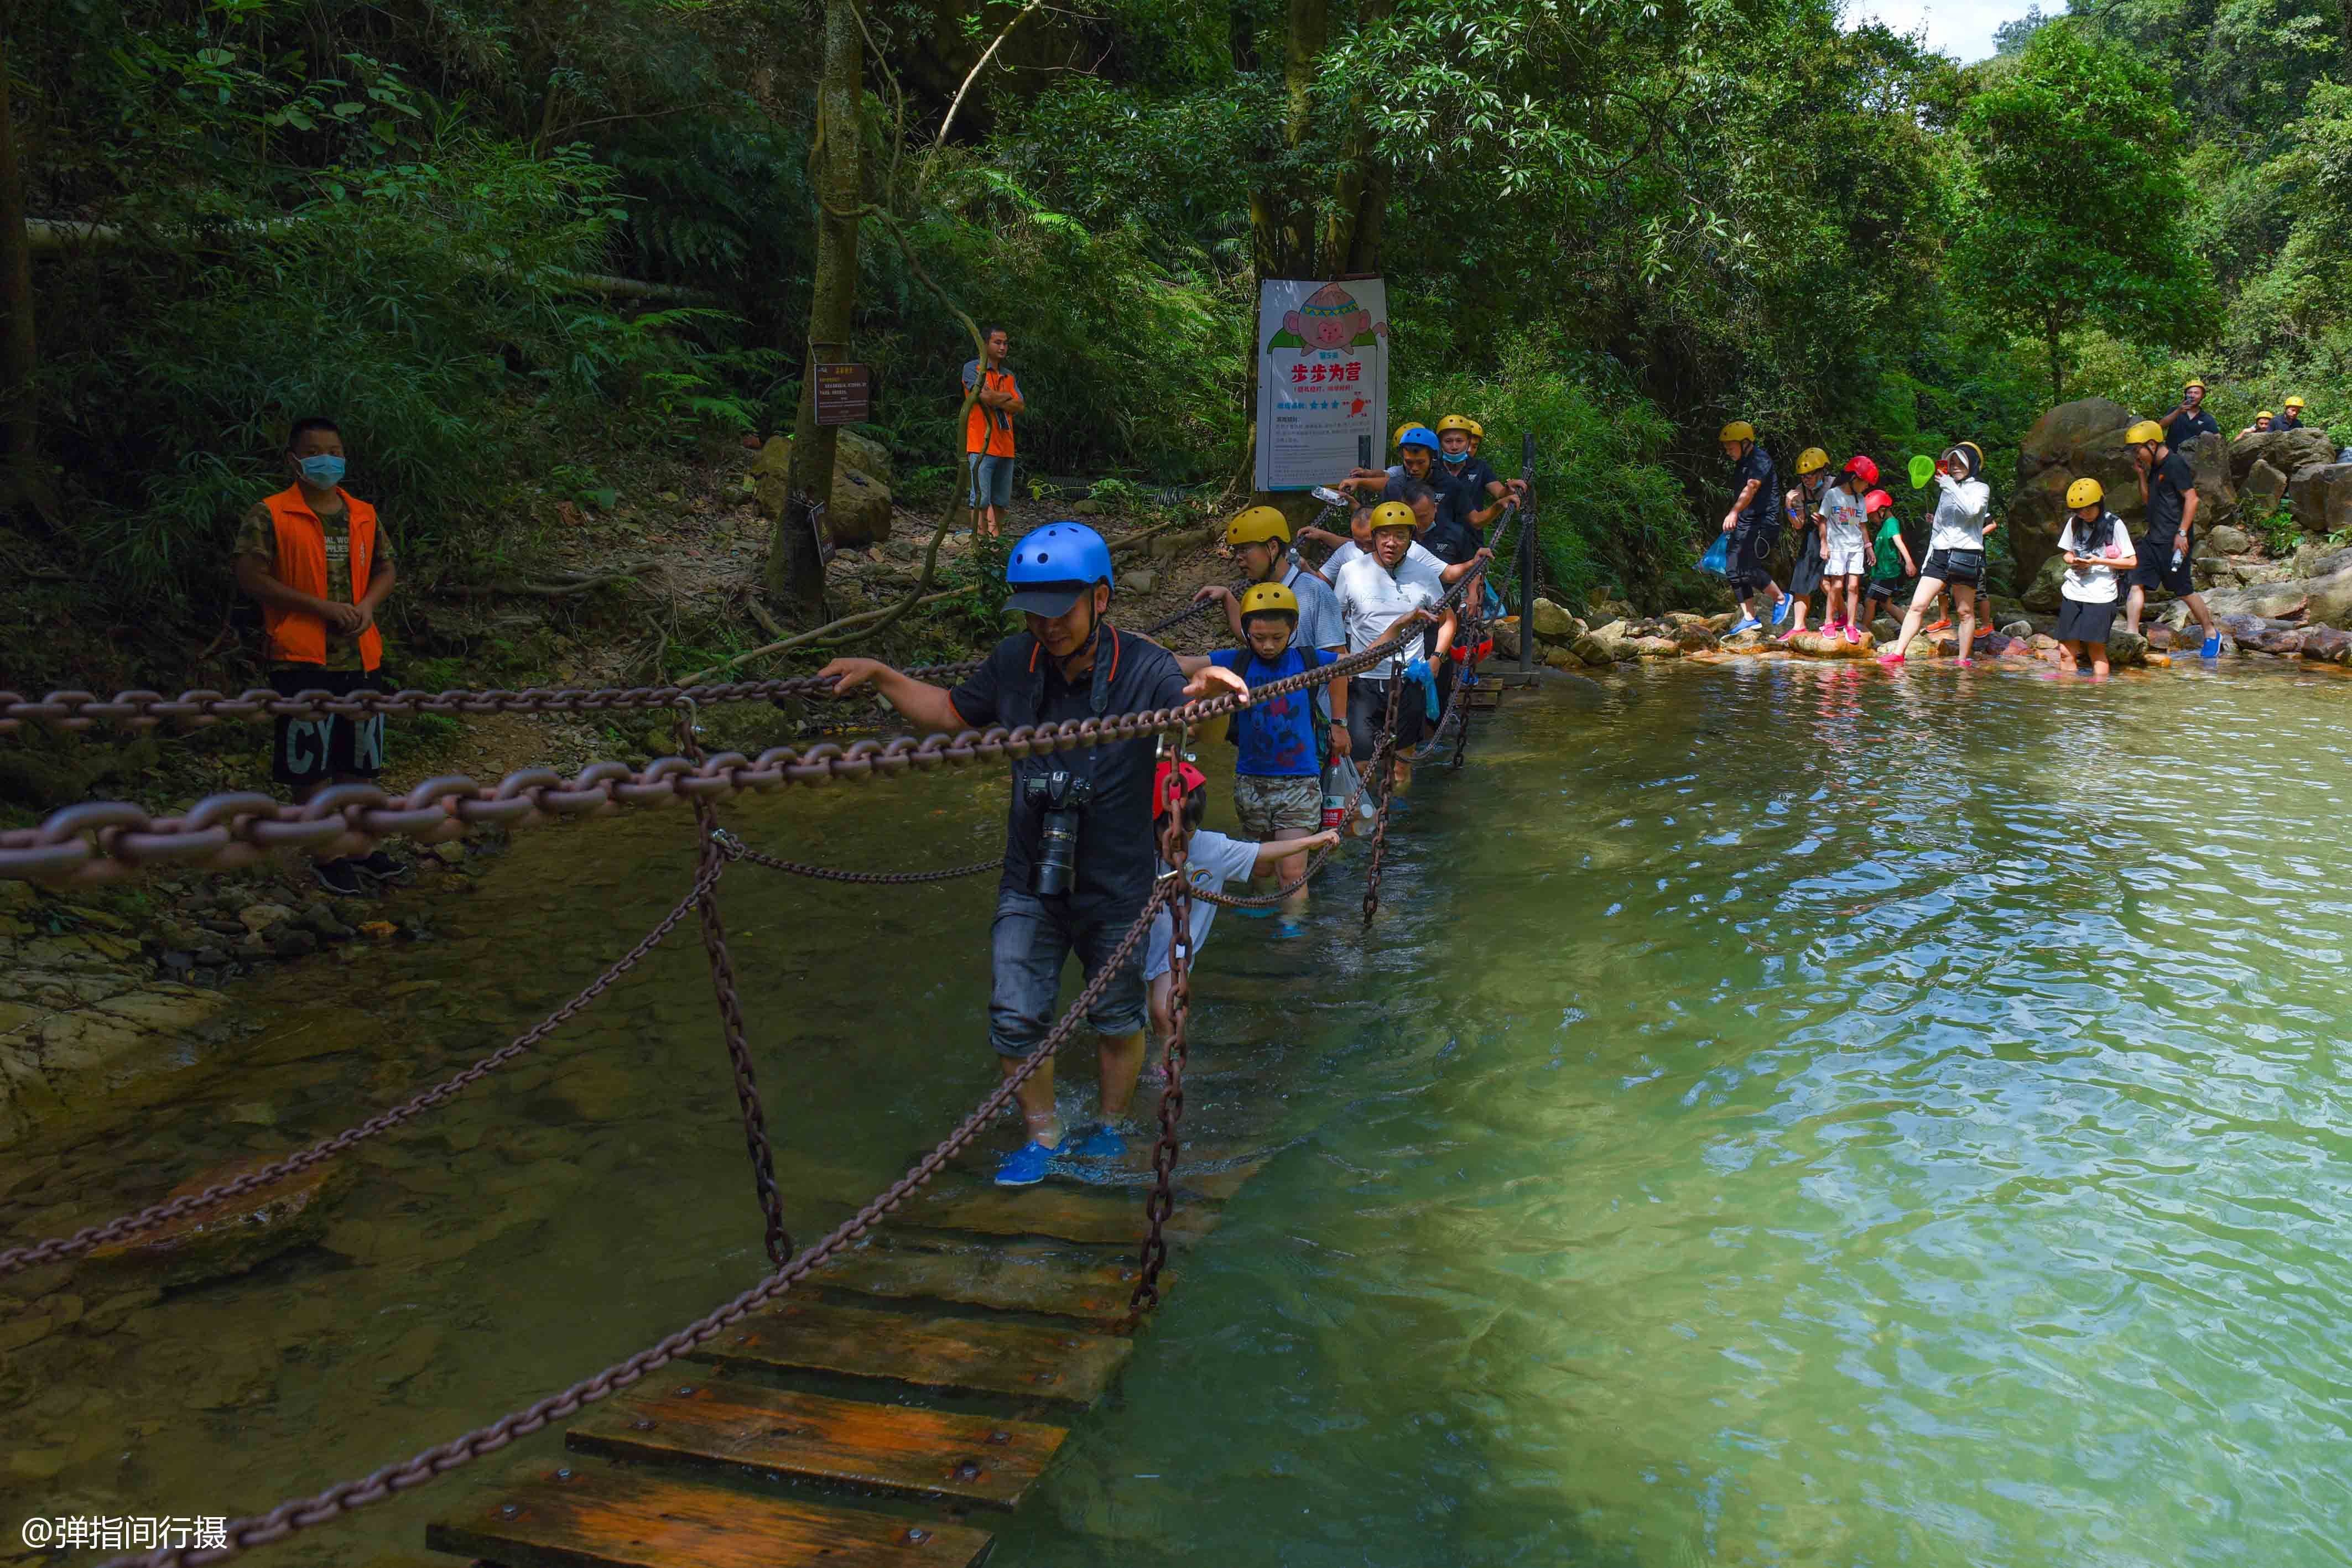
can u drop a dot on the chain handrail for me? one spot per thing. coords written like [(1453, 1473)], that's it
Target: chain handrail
[(73, 711), (427, 1464), (100, 840)]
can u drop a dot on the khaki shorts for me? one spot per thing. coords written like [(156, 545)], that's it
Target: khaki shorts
[(1266, 805)]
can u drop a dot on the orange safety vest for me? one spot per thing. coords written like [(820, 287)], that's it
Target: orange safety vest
[(295, 635), (988, 432)]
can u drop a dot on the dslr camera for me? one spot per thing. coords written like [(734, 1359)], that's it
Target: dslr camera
[(1062, 797)]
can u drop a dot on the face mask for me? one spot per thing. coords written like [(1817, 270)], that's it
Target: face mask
[(325, 470), (1457, 457)]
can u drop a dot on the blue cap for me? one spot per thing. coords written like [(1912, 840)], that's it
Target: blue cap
[(1051, 566), (1420, 435)]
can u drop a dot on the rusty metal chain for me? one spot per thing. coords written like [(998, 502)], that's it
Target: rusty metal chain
[(99, 841), (1381, 759), (1161, 1201), (57, 1249), (731, 1015), (736, 849), (73, 711), (1198, 607), (300, 1513)]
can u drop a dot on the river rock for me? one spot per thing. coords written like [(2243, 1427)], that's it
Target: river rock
[(2017, 629), (2226, 539), (1821, 646), (2263, 484), (2285, 642), (262, 916), (2321, 494), (2327, 644), (2068, 443), (1689, 618), (865, 454), (1504, 630), (1656, 647), (1693, 636), (1747, 641), (232, 1236), (1554, 624), (1560, 658), (2265, 601), (2125, 649), (2280, 450)]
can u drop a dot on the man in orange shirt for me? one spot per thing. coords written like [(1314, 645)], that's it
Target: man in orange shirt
[(314, 557), (988, 433)]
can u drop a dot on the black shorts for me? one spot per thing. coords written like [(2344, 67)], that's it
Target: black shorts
[(1368, 706), (1751, 547), (2156, 569), (1805, 574), (2080, 621), (1882, 590), (1955, 566), (320, 751)]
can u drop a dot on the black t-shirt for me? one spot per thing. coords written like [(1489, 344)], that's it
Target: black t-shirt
[(2168, 484), (1451, 540), (1464, 490), (2286, 422), (1019, 684), (1763, 513), (2187, 428)]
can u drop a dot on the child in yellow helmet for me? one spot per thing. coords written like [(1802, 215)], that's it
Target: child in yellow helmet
[(2098, 552)]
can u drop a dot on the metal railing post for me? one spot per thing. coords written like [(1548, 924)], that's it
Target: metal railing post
[(1528, 557)]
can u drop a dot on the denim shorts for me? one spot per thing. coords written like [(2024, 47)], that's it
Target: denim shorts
[(1030, 941), (991, 481)]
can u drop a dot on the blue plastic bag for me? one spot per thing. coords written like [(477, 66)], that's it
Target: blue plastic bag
[(1717, 562)]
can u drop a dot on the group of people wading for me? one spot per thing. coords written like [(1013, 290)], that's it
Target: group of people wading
[(1850, 546), (1080, 854)]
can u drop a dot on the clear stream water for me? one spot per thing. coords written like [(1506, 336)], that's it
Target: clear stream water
[(1785, 1114)]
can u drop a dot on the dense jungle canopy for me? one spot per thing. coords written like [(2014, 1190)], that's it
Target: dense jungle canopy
[(492, 235)]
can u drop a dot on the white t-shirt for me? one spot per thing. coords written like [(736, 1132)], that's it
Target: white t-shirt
[(1842, 511), (1961, 513), (1211, 860), (1351, 551), (2093, 584), (1372, 599)]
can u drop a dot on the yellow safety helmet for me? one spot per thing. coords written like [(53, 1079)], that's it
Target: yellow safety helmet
[(1811, 460), (1477, 431), (2084, 492), (2264, 413), (1738, 430), (1393, 514), (1268, 599), (2146, 431), (1257, 526), (1454, 422), (2294, 403), (1398, 439), (2193, 381)]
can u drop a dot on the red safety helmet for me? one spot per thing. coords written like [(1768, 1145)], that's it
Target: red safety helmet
[(1192, 777), (1863, 468), (1877, 501)]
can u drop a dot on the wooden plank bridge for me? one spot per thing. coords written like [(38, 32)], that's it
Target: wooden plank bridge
[(920, 1383)]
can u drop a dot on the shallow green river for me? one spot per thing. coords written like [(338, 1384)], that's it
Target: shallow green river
[(1784, 1114)]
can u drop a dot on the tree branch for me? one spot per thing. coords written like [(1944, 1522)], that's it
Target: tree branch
[(970, 77)]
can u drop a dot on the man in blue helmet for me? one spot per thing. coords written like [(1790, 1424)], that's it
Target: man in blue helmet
[(1079, 845)]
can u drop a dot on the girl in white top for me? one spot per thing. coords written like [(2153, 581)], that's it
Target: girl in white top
[(2099, 553), (1845, 549), (1955, 549)]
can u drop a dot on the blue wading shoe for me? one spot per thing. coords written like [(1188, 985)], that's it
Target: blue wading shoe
[(1780, 610), (2212, 650), (1103, 1143), (1744, 623), (1025, 1166)]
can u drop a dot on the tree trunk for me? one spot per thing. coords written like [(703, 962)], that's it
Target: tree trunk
[(17, 359), (1352, 232), (795, 571), (2057, 373)]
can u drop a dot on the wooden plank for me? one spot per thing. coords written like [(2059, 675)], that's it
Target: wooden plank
[(1092, 1215), (770, 1432), (988, 1355), (948, 1268), (579, 1515)]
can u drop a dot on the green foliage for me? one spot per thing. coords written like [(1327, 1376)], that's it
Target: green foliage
[(2071, 207), (1610, 514)]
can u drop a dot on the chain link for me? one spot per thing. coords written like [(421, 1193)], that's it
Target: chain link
[(1381, 759), (73, 711), (99, 841), (1174, 853)]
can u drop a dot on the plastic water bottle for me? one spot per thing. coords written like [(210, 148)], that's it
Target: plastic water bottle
[(1334, 799)]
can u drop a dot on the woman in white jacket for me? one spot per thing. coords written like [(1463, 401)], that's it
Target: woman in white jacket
[(1955, 548)]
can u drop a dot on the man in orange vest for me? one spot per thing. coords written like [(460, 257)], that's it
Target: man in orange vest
[(988, 433), (314, 557)]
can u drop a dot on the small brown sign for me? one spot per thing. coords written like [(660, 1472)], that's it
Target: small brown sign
[(843, 393)]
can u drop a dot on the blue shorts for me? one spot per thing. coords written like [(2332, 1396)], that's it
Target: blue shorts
[(1030, 941), (991, 481)]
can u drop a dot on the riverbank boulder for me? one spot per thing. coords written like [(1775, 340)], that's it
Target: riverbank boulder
[(2086, 439), (2321, 497), (1554, 624), (858, 517), (2282, 451)]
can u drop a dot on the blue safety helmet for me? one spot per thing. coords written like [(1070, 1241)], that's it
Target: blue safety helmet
[(1052, 565), (1419, 436)]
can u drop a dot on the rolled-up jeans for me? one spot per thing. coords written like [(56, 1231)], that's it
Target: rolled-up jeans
[(1031, 940)]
